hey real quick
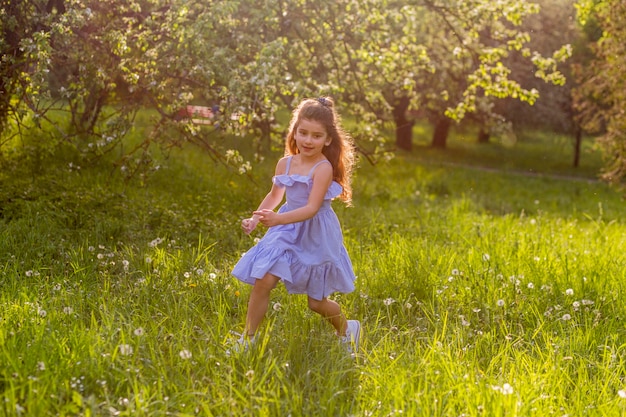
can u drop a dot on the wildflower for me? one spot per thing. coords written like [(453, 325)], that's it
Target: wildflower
[(29, 273), (576, 305), (42, 313), (41, 366), (277, 307), (148, 260), (237, 293), (388, 301), (530, 285), (138, 331), (125, 263), (125, 350), (455, 272), (507, 389), (486, 257), (622, 393), (500, 303), (100, 256), (566, 317), (184, 354), (91, 249), (569, 291), (408, 305), (186, 274), (200, 271), (155, 242), (212, 276)]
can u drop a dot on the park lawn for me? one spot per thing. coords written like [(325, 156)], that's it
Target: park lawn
[(481, 293)]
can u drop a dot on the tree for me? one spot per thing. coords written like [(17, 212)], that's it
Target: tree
[(382, 59), (601, 98)]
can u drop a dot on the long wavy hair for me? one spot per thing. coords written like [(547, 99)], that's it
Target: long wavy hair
[(340, 152)]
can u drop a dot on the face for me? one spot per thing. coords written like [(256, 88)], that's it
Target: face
[(311, 137)]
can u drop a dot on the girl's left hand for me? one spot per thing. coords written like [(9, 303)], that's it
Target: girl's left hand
[(268, 218)]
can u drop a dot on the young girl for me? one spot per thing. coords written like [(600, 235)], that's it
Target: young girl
[(303, 246)]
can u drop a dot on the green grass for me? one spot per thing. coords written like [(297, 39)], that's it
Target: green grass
[(481, 293)]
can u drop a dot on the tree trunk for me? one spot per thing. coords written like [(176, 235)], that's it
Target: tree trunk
[(404, 126), (577, 145), (483, 136), (440, 134)]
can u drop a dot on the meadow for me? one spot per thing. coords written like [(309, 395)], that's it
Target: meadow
[(487, 286)]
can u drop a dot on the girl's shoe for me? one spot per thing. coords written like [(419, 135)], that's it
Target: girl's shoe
[(353, 333)]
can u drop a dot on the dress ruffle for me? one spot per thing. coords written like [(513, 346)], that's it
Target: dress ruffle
[(317, 281), (285, 180)]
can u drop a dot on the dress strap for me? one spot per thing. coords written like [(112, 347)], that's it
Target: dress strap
[(315, 166), (288, 165)]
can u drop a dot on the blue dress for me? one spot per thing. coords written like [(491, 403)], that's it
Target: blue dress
[(309, 257)]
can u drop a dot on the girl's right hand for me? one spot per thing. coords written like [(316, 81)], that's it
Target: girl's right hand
[(248, 225)]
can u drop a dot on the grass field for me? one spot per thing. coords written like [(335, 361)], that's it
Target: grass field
[(482, 292)]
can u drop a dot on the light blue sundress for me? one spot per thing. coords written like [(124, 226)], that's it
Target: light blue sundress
[(309, 257)]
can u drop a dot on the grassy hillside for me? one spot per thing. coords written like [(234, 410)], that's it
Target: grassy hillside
[(482, 292)]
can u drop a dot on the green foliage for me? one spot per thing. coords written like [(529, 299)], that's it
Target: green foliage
[(600, 98), (480, 293)]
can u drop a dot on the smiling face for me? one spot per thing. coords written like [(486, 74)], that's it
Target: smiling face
[(311, 137)]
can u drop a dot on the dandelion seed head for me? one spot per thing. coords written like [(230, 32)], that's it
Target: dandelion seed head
[(622, 393), (388, 301), (500, 303), (68, 310), (184, 354), (569, 291), (277, 307), (125, 350), (486, 257), (408, 305), (566, 317), (212, 276), (530, 285), (507, 389), (41, 366), (138, 331)]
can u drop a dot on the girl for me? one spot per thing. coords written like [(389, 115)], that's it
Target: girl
[(303, 246)]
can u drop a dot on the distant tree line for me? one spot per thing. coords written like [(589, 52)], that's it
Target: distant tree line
[(80, 70)]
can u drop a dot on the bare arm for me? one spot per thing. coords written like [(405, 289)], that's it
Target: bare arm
[(271, 200), (322, 178)]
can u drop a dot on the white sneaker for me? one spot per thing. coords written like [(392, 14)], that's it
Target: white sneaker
[(353, 333)]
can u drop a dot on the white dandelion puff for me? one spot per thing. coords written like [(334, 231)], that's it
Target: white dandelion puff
[(184, 354), (125, 350), (569, 291), (389, 301)]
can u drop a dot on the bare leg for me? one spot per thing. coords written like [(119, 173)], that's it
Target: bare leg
[(331, 311), (258, 302)]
